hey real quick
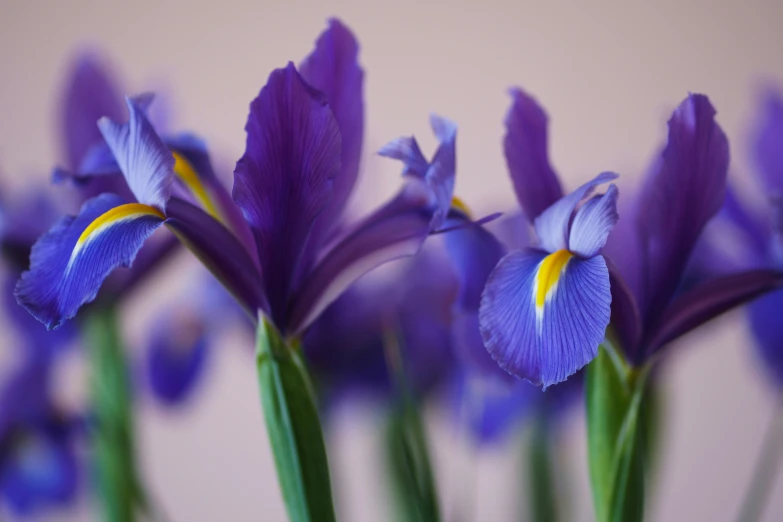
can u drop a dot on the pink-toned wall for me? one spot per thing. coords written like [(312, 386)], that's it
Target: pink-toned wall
[(608, 74)]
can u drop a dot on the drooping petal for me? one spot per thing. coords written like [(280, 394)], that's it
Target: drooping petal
[(395, 230), (69, 263), (176, 355), (284, 179), (767, 137), (525, 146), (554, 223), (145, 161), (707, 301), (333, 68), (678, 199), (90, 94), (543, 316), (593, 222), (764, 315), (221, 253)]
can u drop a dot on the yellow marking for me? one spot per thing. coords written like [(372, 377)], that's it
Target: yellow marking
[(185, 171), (116, 214), (461, 206), (548, 274)]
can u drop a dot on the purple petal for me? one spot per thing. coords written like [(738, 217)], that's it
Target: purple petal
[(69, 263), (145, 161), (284, 179), (471, 352), (395, 230), (333, 68), (593, 222), (406, 149), (90, 94), (525, 146), (764, 315), (545, 340), (553, 225), (679, 198), (625, 315), (767, 138), (756, 229), (220, 251), (709, 300)]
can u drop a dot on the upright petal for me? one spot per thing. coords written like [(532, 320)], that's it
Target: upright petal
[(443, 168), (593, 222), (679, 198), (543, 316), (69, 263), (406, 149), (553, 225), (145, 161), (525, 146), (333, 68), (90, 94), (395, 230), (767, 143), (284, 179)]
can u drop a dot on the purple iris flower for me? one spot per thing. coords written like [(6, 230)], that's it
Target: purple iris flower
[(38, 464), (753, 226), (285, 257), (653, 242), (544, 309)]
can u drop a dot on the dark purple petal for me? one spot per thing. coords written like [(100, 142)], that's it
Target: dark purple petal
[(764, 314), (767, 143), (545, 340), (707, 301), (284, 179), (221, 253), (553, 225), (395, 230), (678, 199), (143, 158), (625, 315), (90, 94), (69, 263), (333, 68), (525, 146)]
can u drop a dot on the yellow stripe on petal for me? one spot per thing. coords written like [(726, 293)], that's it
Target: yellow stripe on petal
[(187, 174), (461, 206), (549, 272)]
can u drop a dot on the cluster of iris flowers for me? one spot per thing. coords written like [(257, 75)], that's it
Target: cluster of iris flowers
[(572, 296)]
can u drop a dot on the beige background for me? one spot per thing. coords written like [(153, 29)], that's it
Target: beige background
[(607, 74)]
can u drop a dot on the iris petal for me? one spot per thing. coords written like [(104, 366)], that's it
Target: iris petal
[(406, 149), (767, 137), (553, 225), (145, 161), (284, 179), (764, 315), (525, 146), (546, 344), (69, 263), (593, 222)]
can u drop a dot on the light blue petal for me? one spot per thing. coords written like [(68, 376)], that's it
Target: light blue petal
[(407, 150), (593, 222), (146, 162), (67, 266), (553, 225), (547, 345)]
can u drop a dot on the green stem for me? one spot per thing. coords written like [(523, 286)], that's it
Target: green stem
[(113, 441), (294, 428), (765, 471), (541, 480)]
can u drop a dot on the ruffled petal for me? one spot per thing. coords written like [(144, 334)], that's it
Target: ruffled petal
[(333, 68), (90, 93), (525, 146), (145, 161), (395, 230), (593, 222), (707, 301), (678, 199), (543, 316), (284, 179), (553, 224), (221, 252), (69, 263)]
